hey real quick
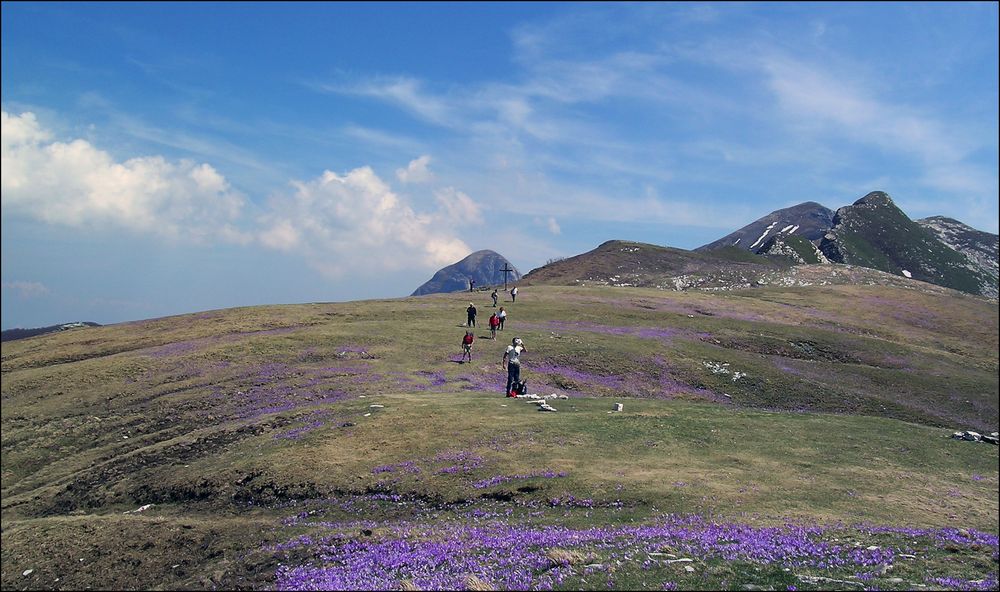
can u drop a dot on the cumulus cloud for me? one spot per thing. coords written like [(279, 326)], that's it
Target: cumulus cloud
[(416, 171), (355, 222), (27, 290), (76, 184)]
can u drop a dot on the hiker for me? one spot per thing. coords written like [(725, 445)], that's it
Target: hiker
[(472, 284), (502, 316), (513, 294), (494, 323), (472, 315), (494, 297), (467, 346), (512, 361)]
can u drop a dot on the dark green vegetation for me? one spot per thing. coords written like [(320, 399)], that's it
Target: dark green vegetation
[(288, 434), (875, 233)]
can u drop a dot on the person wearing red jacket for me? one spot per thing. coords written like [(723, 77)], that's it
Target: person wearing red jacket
[(467, 346)]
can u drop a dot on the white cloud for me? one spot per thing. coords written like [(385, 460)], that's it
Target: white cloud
[(76, 184), (554, 226), (457, 207), (832, 103), (417, 171), (355, 223), (27, 290), (549, 224)]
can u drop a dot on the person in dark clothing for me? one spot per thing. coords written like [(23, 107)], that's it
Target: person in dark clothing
[(494, 296), (472, 315)]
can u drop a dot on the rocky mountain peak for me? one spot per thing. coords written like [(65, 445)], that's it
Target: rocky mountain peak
[(875, 198), (484, 267)]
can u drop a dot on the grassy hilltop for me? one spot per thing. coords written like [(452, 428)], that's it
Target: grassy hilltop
[(774, 437)]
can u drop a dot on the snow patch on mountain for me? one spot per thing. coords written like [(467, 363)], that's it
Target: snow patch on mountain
[(766, 230)]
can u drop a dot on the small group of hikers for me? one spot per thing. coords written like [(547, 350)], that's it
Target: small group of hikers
[(496, 297), (511, 360)]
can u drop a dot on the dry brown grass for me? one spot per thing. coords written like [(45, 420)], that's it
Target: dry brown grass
[(475, 583), (566, 557)]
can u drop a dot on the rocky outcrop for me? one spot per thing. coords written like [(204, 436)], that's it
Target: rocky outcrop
[(980, 248)]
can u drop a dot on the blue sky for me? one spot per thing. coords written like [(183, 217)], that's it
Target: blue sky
[(164, 158)]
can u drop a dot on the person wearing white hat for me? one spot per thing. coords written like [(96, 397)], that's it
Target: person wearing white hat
[(472, 315), (512, 362)]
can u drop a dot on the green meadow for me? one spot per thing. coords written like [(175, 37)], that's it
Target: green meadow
[(768, 438)]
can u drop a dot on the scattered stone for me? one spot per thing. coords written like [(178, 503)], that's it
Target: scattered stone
[(139, 509), (563, 397), (366, 415), (594, 566), (681, 560), (376, 406), (820, 579), (618, 407), (906, 556), (27, 572), (546, 407), (970, 436), (895, 580), (689, 569), (872, 548), (348, 424)]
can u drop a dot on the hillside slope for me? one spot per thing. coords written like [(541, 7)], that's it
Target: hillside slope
[(627, 263), (333, 445)]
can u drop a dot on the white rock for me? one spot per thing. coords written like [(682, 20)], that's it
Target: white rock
[(688, 569), (376, 406), (546, 407), (27, 572), (681, 560)]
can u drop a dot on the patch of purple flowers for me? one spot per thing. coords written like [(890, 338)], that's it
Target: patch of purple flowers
[(497, 480), (514, 556)]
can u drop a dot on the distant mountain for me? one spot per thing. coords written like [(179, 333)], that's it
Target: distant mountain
[(874, 233), (625, 263), (484, 267), (809, 220), (981, 248), (12, 334)]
